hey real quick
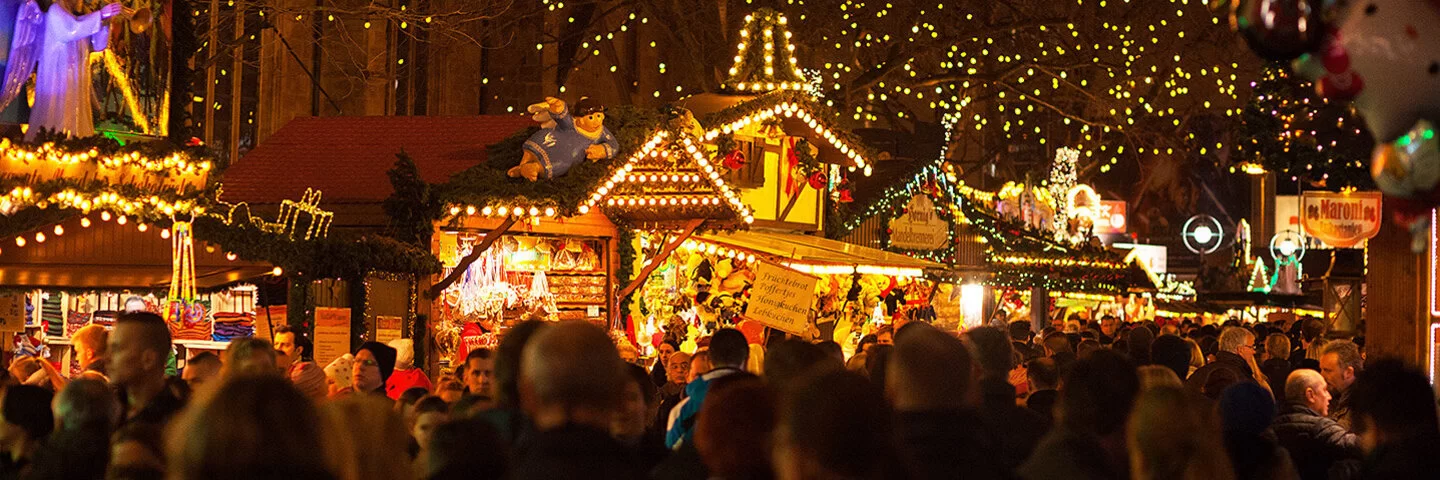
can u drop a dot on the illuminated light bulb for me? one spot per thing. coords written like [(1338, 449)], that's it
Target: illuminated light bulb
[(469, 209), (40, 237), (122, 220), (534, 211), (487, 211), (584, 209), (85, 222), (105, 216), (19, 241), (165, 233), (144, 227), (59, 230), (454, 210), (230, 256), (549, 211), (277, 271), (502, 211)]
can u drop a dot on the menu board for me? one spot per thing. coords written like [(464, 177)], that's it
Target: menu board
[(332, 334)]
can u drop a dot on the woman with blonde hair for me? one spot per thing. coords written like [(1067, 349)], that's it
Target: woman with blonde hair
[(1173, 436), (252, 426), (375, 448)]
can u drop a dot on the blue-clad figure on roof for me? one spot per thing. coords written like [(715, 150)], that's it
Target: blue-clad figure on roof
[(568, 138)]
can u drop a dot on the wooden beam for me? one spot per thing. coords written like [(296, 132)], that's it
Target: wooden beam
[(658, 259), (490, 238), (793, 198)]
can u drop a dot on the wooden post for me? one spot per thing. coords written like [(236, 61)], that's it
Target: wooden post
[(639, 279), (475, 253)]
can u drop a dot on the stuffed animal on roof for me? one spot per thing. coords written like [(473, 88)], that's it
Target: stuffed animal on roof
[(572, 137)]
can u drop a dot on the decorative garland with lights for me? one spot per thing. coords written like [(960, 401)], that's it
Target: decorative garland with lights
[(1022, 259), (625, 266), (789, 103), (488, 185), (340, 255)]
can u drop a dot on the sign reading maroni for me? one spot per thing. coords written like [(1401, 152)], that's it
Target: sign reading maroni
[(781, 298), (1340, 219)]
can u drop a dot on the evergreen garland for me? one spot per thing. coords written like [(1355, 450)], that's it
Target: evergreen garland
[(488, 185), (341, 255)]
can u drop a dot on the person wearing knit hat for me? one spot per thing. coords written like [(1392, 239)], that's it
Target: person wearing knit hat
[(374, 362), (406, 376), (337, 374), (309, 379)]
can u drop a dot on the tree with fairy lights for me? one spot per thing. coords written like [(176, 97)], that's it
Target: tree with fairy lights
[(1150, 91), (1289, 129)]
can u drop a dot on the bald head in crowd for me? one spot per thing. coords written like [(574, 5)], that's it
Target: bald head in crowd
[(1307, 387), (571, 373), (929, 370)]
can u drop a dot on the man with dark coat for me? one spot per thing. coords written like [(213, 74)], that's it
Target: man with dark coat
[(1317, 444), (1237, 354), (572, 384)]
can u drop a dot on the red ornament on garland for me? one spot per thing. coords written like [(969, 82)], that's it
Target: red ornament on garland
[(734, 161), (818, 180)]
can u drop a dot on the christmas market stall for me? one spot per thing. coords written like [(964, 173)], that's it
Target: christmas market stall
[(94, 227), (1037, 261), (362, 278), (562, 245), (909, 206)]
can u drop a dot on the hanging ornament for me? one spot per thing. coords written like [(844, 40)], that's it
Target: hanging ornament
[(1279, 30), (184, 313), (818, 181), (735, 160)]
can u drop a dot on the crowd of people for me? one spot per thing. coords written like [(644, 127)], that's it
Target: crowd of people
[(563, 401)]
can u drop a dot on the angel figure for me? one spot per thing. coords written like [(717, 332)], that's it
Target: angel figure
[(565, 139), (55, 44)]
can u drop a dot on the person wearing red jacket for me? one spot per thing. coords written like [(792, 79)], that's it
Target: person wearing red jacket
[(406, 376)]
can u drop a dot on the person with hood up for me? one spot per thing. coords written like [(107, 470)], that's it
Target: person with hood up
[(405, 376)]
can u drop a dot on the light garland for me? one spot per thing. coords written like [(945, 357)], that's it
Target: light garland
[(747, 74), (664, 148), (1062, 179), (798, 110)]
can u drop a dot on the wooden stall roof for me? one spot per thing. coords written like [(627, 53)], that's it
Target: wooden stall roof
[(347, 157), (110, 255)]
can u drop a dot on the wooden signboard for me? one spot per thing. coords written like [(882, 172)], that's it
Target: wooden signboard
[(781, 298)]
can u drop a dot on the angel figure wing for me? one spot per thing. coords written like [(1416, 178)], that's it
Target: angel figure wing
[(24, 51)]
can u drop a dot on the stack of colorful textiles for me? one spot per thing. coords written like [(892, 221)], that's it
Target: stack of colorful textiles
[(104, 318), (52, 313), (230, 326), (77, 321)]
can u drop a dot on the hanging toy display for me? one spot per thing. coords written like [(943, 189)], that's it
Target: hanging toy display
[(185, 314), (1383, 54)]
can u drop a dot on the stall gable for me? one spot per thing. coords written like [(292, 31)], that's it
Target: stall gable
[(669, 181)]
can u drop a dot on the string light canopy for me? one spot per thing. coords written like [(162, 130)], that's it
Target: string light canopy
[(765, 58), (671, 176)]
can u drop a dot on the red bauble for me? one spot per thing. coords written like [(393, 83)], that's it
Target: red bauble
[(818, 180), (845, 196), (734, 161)]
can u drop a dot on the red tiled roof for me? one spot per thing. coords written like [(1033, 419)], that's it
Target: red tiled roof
[(347, 158)]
